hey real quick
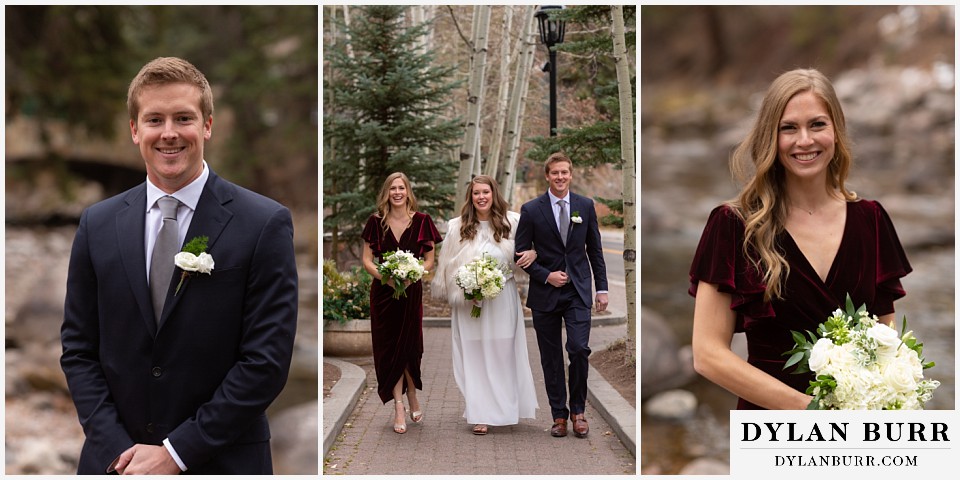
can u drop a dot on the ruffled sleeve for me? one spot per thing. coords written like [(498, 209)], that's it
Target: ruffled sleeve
[(427, 234), (720, 260), (372, 233), (892, 264)]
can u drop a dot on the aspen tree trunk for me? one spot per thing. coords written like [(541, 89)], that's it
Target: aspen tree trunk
[(471, 140), (628, 160), (420, 14), (518, 97), (506, 59), (346, 21)]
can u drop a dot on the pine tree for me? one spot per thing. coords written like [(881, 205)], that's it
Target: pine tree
[(386, 110)]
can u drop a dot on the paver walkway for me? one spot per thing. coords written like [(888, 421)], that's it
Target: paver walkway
[(444, 444)]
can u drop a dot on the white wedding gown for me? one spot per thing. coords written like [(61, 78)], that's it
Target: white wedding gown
[(490, 361)]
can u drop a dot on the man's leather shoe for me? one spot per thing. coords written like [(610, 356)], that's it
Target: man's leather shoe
[(580, 426), (559, 428)]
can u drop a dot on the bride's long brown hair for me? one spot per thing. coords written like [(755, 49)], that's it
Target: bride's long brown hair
[(762, 202), (498, 211)]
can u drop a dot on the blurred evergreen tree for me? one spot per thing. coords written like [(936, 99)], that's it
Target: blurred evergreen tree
[(386, 109), (73, 63)]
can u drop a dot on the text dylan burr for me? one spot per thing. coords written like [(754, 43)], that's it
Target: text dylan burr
[(839, 432)]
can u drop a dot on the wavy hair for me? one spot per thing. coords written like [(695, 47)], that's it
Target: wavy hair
[(383, 198), (762, 202), (498, 211)]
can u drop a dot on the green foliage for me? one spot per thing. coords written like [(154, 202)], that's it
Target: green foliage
[(69, 63), (615, 217), (386, 111), (197, 245), (346, 295), (820, 388), (73, 64)]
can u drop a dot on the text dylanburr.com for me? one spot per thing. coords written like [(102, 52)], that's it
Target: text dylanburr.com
[(795, 444)]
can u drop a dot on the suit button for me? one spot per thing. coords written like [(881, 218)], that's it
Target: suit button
[(156, 371), (150, 428)]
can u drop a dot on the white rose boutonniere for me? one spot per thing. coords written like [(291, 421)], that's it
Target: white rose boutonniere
[(575, 217), (193, 258)]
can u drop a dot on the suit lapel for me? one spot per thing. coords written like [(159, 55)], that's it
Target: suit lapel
[(130, 230), (576, 205), (209, 220)]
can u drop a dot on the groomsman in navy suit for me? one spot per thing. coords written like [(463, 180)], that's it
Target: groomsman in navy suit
[(562, 227), (171, 368)]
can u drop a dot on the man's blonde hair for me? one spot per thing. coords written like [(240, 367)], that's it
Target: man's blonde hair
[(165, 71)]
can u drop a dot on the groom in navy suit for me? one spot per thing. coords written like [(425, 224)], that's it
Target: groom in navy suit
[(171, 370), (562, 227)]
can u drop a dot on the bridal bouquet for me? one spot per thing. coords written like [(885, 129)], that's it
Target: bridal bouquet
[(482, 278), (862, 364), (400, 265)]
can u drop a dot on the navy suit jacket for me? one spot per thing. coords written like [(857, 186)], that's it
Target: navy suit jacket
[(204, 377), (582, 254)]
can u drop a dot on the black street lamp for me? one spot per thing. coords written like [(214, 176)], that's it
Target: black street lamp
[(551, 33)]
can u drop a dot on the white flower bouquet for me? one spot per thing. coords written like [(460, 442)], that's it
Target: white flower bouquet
[(400, 265), (481, 278), (862, 364)]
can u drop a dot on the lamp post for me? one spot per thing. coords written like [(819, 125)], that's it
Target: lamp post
[(551, 33)]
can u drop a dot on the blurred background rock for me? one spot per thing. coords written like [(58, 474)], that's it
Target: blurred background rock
[(68, 146), (704, 70)]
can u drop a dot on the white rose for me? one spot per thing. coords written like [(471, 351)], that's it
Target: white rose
[(205, 263), (911, 358), (820, 354), (884, 335), (187, 261), (899, 376)]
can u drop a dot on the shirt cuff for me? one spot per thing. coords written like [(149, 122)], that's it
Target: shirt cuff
[(173, 453), (601, 291)]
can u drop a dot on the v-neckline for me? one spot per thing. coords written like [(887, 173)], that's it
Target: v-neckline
[(833, 263), (404, 230)]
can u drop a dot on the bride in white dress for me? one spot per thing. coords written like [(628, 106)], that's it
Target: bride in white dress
[(490, 361)]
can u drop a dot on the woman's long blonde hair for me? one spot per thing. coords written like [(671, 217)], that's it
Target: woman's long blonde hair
[(762, 202), (383, 199), (498, 211)]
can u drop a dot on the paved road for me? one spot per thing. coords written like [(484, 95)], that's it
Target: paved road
[(443, 443), (613, 259)]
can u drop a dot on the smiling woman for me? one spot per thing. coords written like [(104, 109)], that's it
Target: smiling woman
[(790, 248)]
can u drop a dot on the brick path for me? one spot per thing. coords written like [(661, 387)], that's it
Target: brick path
[(444, 444)]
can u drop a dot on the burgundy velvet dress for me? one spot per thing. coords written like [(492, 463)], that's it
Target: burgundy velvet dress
[(868, 266), (397, 325)]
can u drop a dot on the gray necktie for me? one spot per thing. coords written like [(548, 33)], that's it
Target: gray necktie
[(165, 248), (564, 221)]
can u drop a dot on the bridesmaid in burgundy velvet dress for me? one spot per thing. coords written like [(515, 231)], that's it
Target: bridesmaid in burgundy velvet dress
[(788, 249), (397, 325)]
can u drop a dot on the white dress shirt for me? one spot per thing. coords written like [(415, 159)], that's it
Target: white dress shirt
[(188, 196)]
